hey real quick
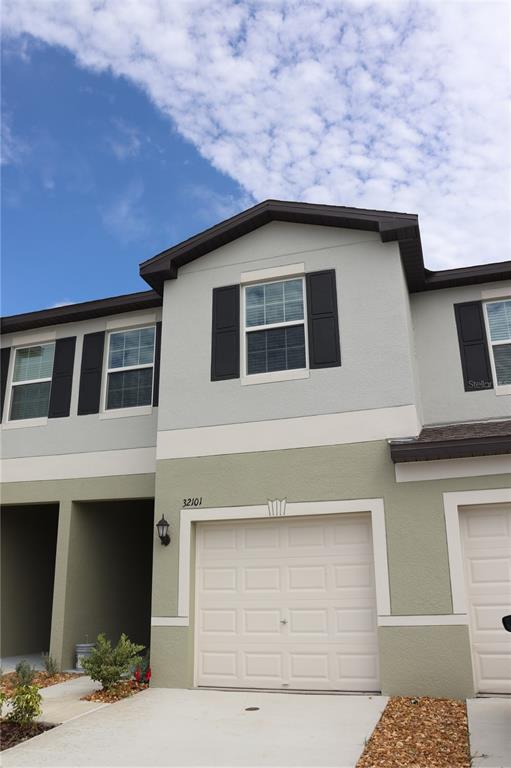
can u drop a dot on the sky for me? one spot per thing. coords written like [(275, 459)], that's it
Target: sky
[(129, 125)]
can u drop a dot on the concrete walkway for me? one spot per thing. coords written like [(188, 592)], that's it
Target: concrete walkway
[(169, 727), (62, 702), (35, 660), (489, 725)]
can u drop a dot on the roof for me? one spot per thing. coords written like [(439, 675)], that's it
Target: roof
[(450, 441), (392, 226), (83, 311)]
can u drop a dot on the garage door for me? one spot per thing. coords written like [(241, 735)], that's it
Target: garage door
[(486, 536), (287, 603)]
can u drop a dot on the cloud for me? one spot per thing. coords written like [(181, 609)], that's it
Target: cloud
[(13, 148), (126, 142), (125, 218), (64, 303), (389, 105)]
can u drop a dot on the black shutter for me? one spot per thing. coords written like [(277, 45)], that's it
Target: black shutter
[(156, 371), (4, 366), (475, 360), (62, 379), (225, 341), (323, 322), (90, 374)]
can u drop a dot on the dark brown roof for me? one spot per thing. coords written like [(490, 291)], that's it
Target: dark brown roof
[(83, 311), (449, 441), (402, 228)]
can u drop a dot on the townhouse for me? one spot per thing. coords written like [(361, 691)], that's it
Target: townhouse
[(325, 426)]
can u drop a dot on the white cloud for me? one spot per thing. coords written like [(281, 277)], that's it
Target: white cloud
[(388, 105), (13, 148), (126, 141), (125, 218)]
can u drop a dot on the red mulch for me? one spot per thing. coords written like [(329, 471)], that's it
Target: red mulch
[(12, 733), (41, 679), (121, 691)]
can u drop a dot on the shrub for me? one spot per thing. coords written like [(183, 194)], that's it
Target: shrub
[(26, 704), (3, 699), (142, 672), (24, 673), (107, 665), (50, 665)]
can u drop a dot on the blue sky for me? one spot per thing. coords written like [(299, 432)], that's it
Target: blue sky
[(102, 182), (128, 126)]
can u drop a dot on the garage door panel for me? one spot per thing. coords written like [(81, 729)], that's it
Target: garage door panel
[(486, 538), (286, 605)]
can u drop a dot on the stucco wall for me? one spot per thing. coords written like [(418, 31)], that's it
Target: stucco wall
[(444, 399), (77, 434), (416, 542), (29, 539), (376, 370)]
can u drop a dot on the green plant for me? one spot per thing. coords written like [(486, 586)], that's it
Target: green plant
[(26, 704), (3, 699), (24, 673), (107, 665), (50, 665)]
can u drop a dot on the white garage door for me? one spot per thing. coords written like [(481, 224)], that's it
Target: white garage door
[(486, 535), (287, 603)]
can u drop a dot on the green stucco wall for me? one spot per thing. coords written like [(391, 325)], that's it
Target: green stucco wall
[(416, 542), (103, 556)]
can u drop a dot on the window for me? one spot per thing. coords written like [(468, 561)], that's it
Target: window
[(130, 368), (31, 382), (498, 314), (275, 327)]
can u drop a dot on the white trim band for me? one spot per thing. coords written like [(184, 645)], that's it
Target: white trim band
[(279, 434), (437, 620), (128, 461), (441, 469)]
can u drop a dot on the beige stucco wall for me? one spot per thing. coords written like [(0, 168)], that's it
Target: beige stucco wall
[(416, 542)]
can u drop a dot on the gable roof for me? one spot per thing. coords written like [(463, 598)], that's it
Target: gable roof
[(402, 228)]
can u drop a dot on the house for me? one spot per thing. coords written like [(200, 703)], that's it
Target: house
[(326, 426)]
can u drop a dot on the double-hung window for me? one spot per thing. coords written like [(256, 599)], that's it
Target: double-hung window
[(31, 382), (498, 316), (130, 366), (275, 337)]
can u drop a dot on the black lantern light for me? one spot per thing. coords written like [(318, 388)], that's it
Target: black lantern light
[(163, 531)]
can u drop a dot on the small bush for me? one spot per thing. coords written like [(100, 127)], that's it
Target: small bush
[(107, 665), (50, 665), (142, 671), (26, 704), (3, 699), (24, 673)]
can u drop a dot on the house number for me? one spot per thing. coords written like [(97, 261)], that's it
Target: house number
[(196, 502)]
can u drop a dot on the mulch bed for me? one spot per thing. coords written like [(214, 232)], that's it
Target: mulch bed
[(41, 679), (121, 691), (12, 733), (419, 733)]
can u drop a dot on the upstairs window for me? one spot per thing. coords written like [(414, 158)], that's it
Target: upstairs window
[(498, 315), (130, 368), (275, 327), (31, 382)]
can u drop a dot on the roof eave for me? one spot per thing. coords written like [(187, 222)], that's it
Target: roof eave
[(449, 449)]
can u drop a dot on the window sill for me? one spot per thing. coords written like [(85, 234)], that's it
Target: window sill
[(267, 378), (504, 389), (119, 413), (25, 423)]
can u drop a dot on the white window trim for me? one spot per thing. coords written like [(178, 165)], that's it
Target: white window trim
[(272, 376), (136, 410), (500, 389), (38, 421)]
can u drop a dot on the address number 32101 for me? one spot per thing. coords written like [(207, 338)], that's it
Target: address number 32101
[(196, 502)]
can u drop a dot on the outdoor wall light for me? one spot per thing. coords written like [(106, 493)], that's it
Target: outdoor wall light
[(163, 531)]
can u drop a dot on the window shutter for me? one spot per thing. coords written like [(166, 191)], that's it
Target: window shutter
[(62, 379), (475, 360), (4, 366), (225, 342), (156, 372), (90, 375), (323, 322)]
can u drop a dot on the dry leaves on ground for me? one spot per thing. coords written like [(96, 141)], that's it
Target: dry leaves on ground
[(118, 692), (9, 681), (419, 733)]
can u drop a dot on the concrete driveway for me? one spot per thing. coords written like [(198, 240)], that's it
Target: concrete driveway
[(169, 727)]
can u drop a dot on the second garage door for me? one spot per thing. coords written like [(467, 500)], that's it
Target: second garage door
[(287, 603)]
